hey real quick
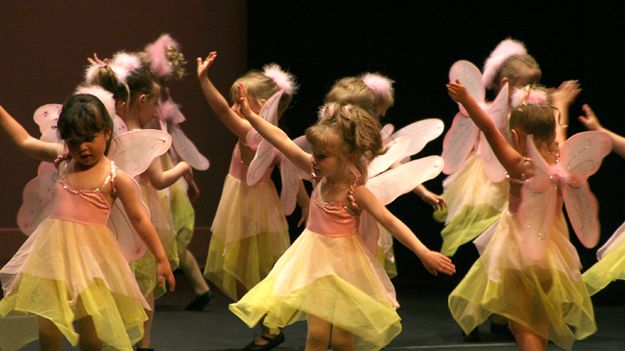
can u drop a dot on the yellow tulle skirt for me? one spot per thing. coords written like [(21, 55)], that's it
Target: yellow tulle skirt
[(547, 296), (249, 234), (611, 267), (474, 203), (145, 269), (67, 271), (333, 278)]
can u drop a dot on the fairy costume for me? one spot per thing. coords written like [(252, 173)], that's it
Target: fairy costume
[(611, 264), (528, 271), (330, 273), (249, 232), (72, 267)]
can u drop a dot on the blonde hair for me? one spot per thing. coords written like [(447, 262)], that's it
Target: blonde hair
[(354, 91), (347, 129), (259, 87), (516, 68)]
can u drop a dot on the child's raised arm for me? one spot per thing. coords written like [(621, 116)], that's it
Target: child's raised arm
[(433, 261), (41, 150), (126, 191), (162, 179), (237, 125), (591, 122), (274, 135), (510, 159)]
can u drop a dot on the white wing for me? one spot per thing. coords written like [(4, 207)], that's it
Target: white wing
[(498, 112), (420, 133), (186, 150), (131, 245), (470, 76), (461, 138), (37, 197), (134, 151), (396, 150)]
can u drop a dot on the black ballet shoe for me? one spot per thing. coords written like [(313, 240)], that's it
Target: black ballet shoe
[(144, 349), (271, 343), (199, 302), (473, 336)]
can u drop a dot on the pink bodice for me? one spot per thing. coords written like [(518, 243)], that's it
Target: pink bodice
[(238, 169), (331, 219), (86, 206)]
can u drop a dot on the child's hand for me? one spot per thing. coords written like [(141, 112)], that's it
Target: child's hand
[(164, 273), (243, 107), (436, 262), (95, 60), (434, 200), (566, 93), (590, 121), (457, 92), (204, 65)]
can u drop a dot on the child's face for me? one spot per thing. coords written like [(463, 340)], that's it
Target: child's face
[(88, 149), (327, 162), (148, 108)]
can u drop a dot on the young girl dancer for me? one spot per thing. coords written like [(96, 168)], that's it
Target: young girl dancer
[(166, 62), (249, 232), (71, 269), (611, 264), (374, 93), (531, 278), (328, 276)]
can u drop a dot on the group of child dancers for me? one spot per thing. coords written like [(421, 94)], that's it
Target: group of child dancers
[(110, 213)]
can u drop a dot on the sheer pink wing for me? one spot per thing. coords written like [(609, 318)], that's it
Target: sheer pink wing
[(400, 180), (291, 175), (580, 156), (498, 112), (386, 131), (134, 151), (186, 149), (471, 77), (131, 245), (37, 197), (539, 203), (269, 112), (616, 240), (396, 150), (460, 140), (46, 117), (420, 133)]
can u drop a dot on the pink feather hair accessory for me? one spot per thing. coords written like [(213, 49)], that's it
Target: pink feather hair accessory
[(529, 96), (284, 80), (102, 94), (504, 50), (170, 111), (124, 63), (380, 85), (157, 51)]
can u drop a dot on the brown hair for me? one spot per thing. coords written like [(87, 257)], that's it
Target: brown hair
[(259, 87)]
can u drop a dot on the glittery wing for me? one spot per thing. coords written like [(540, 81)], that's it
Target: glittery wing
[(400, 180), (580, 156), (461, 138), (386, 131), (134, 151), (498, 112), (396, 150), (129, 241), (186, 149), (37, 197), (616, 240), (46, 117), (420, 133), (265, 154), (539, 200)]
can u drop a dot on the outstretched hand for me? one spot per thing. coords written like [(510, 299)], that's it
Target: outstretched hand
[(243, 107), (566, 93), (204, 65), (590, 121), (95, 60), (436, 262), (457, 92)]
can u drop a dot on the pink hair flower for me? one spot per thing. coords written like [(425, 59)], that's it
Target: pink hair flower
[(380, 85)]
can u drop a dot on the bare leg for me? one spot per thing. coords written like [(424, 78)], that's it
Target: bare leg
[(147, 326), (49, 336), (318, 334), (526, 339), (341, 340), (189, 266), (89, 340)]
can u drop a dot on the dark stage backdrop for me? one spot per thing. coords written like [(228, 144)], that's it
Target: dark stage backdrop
[(44, 49), (414, 44)]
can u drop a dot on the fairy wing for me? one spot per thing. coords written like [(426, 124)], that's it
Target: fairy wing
[(400, 180), (539, 200), (580, 156), (386, 131), (498, 112), (186, 149), (419, 134), (470, 76), (134, 151), (269, 112), (37, 197), (461, 138), (291, 175), (46, 117), (396, 150)]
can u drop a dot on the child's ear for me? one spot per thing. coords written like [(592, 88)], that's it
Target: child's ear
[(503, 82), (516, 138)]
